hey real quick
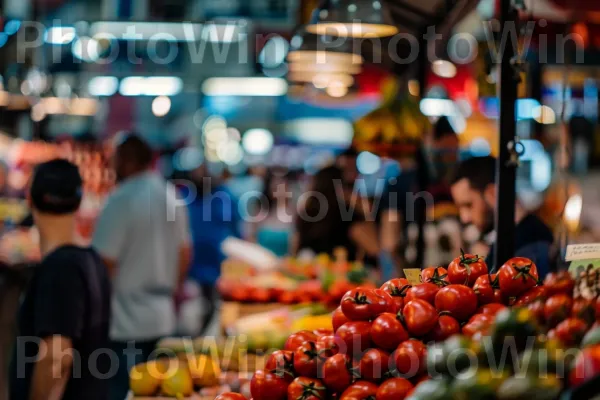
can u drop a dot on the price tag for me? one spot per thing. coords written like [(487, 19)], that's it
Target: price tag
[(413, 275), (578, 252)]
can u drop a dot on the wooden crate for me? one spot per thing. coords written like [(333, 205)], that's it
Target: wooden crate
[(232, 311)]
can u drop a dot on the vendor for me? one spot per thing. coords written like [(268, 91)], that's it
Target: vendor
[(474, 192)]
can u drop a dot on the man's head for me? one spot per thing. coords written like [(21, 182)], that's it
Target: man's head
[(474, 192), (56, 190), (132, 156)]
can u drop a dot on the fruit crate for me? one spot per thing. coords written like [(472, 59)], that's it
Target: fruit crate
[(231, 311)]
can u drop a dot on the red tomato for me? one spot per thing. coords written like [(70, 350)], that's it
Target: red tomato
[(374, 365), (458, 300), (394, 389), (586, 367), (356, 337), (517, 275), (537, 309), (585, 310), (288, 298), (571, 331), (267, 386), (338, 318), (323, 332), (306, 389), (281, 363), (339, 289), (445, 327), (260, 295), (465, 270), (486, 288), (328, 346), (420, 317), (387, 332), (598, 308), (534, 294), (365, 304), (559, 283), (397, 289), (557, 308), (478, 323), (230, 396), (296, 339), (423, 291), (361, 390), (338, 373), (410, 358), (436, 275), (306, 359), (491, 309)]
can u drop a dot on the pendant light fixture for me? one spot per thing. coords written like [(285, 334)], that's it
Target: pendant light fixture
[(352, 18), (307, 48)]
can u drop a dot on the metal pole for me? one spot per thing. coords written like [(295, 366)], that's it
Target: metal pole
[(505, 168)]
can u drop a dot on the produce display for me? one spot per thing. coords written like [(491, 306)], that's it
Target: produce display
[(459, 334)]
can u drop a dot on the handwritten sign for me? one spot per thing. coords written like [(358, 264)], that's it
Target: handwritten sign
[(577, 252), (413, 275)]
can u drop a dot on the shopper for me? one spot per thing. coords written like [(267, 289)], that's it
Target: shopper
[(474, 192), (147, 252), (67, 307)]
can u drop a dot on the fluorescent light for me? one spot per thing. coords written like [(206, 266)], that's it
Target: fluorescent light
[(103, 86), (257, 141), (244, 87), (59, 35), (178, 31), (444, 69), (310, 131), (150, 86), (437, 107)]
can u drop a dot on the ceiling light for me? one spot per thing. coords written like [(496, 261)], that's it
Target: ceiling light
[(257, 141), (321, 80), (59, 35), (161, 106), (103, 86), (544, 115), (328, 68), (257, 86), (444, 68), (151, 86), (86, 49), (368, 163), (337, 89)]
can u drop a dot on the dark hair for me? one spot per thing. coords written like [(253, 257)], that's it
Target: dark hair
[(443, 128), (56, 187), (479, 171), (135, 149)]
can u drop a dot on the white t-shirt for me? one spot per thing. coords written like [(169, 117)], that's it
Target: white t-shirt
[(135, 230)]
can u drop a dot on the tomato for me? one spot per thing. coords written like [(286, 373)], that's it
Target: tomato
[(537, 309), (394, 389), (267, 386), (410, 358), (585, 310), (571, 331), (261, 295), (303, 388), (387, 332), (296, 339), (458, 300), (487, 289), (328, 346), (338, 289), (356, 337), (445, 327), (517, 275), (491, 309), (559, 283), (397, 289), (477, 323), (288, 298), (338, 318), (230, 396), (598, 308), (306, 359), (281, 363), (365, 304), (420, 317), (586, 367), (338, 373), (465, 270), (436, 275), (374, 365), (534, 294), (423, 291), (557, 308), (361, 390)]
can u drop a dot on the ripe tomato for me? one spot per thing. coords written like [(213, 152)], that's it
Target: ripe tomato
[(487, 289), (557, 308), (328, 346), (387, 332), (423, 291), (394, 389), (296, 339), (361, 390), (420, 317), (585, 310), (338, 289), (288, 298), (397, 289), (323, 332), (491, 309), (537, 310), (465, 270), (445, 327), (436, 275), (410, 357), (534, 294), (559, 283), (478, 323), (517, 275), (267, 386), (374, 365), (306, 359), (356, 337), (230, 396), (458, 300), (281, 363), (261, 295), (586, 367), (338, 318), (365, 304), (571, 331), (303, 388), (338, 373)]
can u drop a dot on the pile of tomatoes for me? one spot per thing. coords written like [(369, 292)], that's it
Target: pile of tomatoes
[(378, 350)]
